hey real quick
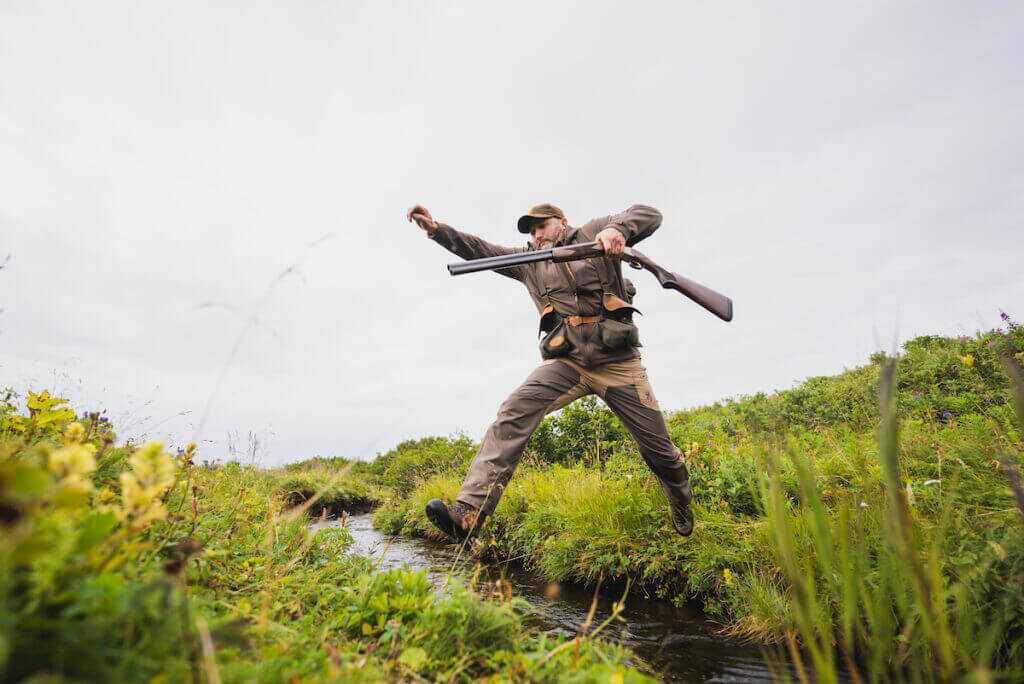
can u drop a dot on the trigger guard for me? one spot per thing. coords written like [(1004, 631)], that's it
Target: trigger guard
[(633, 264)]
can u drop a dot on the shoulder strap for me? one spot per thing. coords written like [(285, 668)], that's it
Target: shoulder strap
[(611, 279)]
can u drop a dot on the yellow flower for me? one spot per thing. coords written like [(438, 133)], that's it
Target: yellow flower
[(153, 467), (968, 360), (74, 461), (189, 453), (727, 576), (134, 496), (142, 489), (74, 433)]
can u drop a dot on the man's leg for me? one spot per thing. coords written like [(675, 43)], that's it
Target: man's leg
[(627, 392), (549, 387)]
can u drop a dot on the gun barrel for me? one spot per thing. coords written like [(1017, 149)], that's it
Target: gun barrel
[(488, 263)]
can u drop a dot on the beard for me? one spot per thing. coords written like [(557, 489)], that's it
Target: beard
[(549, 242)]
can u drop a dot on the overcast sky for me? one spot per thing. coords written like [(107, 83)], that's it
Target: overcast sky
[(849, 173)]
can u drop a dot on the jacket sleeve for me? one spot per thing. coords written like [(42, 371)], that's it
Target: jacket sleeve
[(471, 247), (636, 223)]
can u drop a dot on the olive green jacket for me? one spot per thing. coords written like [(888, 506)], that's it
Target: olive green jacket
[(593, 287)]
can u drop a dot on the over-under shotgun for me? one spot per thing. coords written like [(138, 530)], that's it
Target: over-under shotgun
[(716, 303)]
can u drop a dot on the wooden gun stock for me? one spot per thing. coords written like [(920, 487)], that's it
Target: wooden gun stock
[(715, 302)]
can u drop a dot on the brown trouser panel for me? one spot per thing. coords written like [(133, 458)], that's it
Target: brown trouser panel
[(625, 389)]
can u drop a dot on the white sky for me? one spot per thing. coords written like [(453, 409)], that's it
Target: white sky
[(850, 173)]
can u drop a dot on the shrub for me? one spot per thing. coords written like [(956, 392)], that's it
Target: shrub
[(413, 461)]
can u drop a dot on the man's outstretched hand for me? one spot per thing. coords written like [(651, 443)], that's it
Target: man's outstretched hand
[(612, 241), (423, 219)]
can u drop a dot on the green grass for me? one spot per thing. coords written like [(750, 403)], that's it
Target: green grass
[(332, 487), (132, 565), (885, 541), (831, 487)]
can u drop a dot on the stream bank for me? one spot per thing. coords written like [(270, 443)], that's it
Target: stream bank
[(679, 644)]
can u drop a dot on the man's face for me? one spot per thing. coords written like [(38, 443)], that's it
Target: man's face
[(546, 230)]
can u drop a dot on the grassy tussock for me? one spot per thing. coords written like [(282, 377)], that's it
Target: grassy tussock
[(332, 487)]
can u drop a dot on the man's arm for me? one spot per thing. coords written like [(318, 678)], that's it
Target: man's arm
[(463, 244), (635, 224)]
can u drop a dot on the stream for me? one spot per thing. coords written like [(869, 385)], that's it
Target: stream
[(679, 644)]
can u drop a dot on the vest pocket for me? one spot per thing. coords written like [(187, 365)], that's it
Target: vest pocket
[(555, 343), (617, 330), (618, 334)]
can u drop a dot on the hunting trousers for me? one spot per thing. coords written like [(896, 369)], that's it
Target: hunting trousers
[(624, 387)]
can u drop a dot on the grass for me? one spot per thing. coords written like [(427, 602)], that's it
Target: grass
[(129, 564), (795, 501), (332, 487), (884, 538)]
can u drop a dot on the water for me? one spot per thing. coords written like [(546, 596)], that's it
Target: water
[(679, 644)]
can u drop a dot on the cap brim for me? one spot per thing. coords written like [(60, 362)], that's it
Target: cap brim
[(524, 222)]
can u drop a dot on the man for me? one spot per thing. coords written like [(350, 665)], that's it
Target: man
[(590, 347)]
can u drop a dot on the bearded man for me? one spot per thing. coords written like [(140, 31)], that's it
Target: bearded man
[(590, 346)]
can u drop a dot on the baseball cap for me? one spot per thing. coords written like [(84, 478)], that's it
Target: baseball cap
[(541, 211)]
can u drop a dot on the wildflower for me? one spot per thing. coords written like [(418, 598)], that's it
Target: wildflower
[(142, 489), (968, 360), (72, 464), (947, 415), (863, 504), (74, 459), (188, 453), (152, 466), (1005, 316), (727, 576), (74, 433)]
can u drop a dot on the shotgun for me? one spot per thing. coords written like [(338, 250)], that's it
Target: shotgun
[(716, 303)]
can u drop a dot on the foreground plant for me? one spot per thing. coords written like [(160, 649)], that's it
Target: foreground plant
[(130, 564), (869, 585)]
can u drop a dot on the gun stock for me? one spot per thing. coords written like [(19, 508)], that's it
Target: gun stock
[(715, 302)]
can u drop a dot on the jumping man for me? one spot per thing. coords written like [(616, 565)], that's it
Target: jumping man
[(590, 347)]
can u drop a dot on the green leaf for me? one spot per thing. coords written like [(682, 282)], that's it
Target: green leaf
[(413, 658), (94, 530), (28, 481)]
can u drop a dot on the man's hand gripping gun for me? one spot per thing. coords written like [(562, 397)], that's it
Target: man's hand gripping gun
[(716, 303)]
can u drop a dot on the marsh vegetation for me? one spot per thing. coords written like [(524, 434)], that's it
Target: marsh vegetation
[(868, 523)]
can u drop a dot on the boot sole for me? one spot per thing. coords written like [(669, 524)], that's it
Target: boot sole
[(437, 513), (689, 528)]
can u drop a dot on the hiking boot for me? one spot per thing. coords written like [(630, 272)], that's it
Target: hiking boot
[(457, 522), (679, 507), (682, 518)]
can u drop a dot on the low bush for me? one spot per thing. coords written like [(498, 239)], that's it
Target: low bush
[(413, 461)]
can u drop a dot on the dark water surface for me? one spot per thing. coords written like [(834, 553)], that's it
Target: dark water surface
[(677, 643)]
